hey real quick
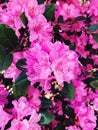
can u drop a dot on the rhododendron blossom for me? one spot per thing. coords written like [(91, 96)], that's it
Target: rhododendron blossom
[(48, 65), (64, 63), (3, 95), (65, 66), (4, 118), (33, 97), (67, 11)]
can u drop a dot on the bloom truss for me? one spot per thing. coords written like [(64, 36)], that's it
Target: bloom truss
[(48, 65)]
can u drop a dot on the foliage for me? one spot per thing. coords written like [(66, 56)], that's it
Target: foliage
[(48, 64)]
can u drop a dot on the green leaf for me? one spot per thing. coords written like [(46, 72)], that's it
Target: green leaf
[(94, 84), (80, 18), (68, 91), (49, 11), (45, 103), (69, 111), (24, 19), (8, 39), (60, 127), (93, 28), (20, 86), (95, 36), (46, 118), (40, 1), (60, 19), (21, 64), (72, 46), (5, 60)]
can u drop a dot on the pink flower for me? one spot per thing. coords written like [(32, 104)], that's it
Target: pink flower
[(32, 9), (38, 66), (19, 125), (81, 42), (41, 29), (57, 106), (67, 11), (60, 60), (73, 128), (24, 124), (4, 118), (3, 95), (80, 91), (37, 23), (10, 16), (33, 121), (85, 117), (93, 6), (21, 108), (65, 64), (33, 97)]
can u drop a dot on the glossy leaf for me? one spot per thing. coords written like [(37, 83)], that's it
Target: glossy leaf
[(46, 118), (40, 1), (68, 91), (69, 111), (94, 84), (80, 18), (5, 60), (45, 103), (93, 28), (8, 39), (24, 19), (21, 64), (49, 11), (60, 19), (20, 86), (95, 36)]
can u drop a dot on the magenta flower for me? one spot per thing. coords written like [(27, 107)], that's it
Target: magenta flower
[(65, 64), (3, 95), (33, 97), (67, 11), (4, 118)]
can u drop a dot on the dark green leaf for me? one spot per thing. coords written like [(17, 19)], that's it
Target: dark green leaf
[(93, 28), (60, 127), (72, 46), (69, 111), (68, 91), (46, 118), (8, 39), (21, 64), (49, 11), (24, 19), (53, 1), (60, 19), (45, 103), (5, 60), (80, 18), (40, 1), (94, 84), (95, 36), (20, 86)]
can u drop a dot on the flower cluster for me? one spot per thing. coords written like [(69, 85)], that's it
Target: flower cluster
[(59, 63), (48, 65)]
